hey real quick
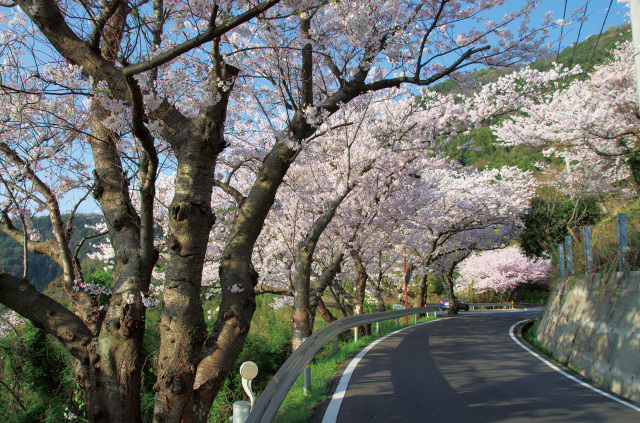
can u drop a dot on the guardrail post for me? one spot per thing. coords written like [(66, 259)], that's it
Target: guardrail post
[(335, 346), (306, 377), (241, 410), (416, 319), (355, 334), (378, 328), (397, 322)]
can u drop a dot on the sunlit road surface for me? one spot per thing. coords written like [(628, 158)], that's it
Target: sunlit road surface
[(466, 369)]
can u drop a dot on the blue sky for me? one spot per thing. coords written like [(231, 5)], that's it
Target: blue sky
[(596, 11)]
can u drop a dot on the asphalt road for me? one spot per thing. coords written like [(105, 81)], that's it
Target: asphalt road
[(467, 369)]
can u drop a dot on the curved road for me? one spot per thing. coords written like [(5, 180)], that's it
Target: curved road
[(466, 369)]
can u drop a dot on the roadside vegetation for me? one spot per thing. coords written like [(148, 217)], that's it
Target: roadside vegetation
[(529, 335), (37, 384)]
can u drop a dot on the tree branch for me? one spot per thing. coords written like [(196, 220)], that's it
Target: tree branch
[(208, 35), (46, 313), (100, 22), (266, 289), (227, 188), (396, 82)]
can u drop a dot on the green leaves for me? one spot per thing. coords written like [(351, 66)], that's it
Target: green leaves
[(552, 217)]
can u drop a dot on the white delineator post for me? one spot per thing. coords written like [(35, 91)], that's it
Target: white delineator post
[(241, 409)]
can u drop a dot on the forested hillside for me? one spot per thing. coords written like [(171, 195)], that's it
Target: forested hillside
[(586, 54), (41, 269), (485, 151)]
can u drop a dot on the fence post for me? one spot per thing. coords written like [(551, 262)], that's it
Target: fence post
[(561, 259), (568, 254), (623, 239), (588, 251)]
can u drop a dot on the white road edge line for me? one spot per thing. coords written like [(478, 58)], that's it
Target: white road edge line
[(562, 372), (331, 413)]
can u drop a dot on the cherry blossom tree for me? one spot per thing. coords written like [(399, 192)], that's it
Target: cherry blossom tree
[(330, 169), (97, 99), (119, 89), (467, 210), (592, 124), (501, 271)]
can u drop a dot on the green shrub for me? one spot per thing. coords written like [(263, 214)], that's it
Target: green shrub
[(268, 345), (37, 378), (535, 297)]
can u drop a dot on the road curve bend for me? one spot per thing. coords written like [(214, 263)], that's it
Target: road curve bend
[(465, 368)]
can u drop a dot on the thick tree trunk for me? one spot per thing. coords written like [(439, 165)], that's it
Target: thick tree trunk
[(453, 301), (378, 291), (421, 299), (238, 280), (360, 283), (360, 289), (112, 378), (300, 317), (301, 281), (182, 326), (379, 301)]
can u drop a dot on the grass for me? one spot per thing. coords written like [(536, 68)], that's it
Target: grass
[(529, 335), (297, 406)]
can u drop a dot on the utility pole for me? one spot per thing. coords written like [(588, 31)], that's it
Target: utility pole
[(634, 6)]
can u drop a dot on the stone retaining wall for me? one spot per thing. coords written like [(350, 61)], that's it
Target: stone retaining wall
[(592, 325)]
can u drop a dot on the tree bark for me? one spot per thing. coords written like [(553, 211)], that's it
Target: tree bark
[(113, 377), (326, 278), (325, 312), (300, 316), (182, 327), (225, 343)]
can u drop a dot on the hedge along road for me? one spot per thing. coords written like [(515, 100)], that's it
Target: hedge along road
[(466, 368)]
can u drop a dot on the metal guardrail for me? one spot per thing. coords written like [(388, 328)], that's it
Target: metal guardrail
[(271, 398), (492, 305)]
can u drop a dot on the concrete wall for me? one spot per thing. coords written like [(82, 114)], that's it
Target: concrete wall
[(592, 325)]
